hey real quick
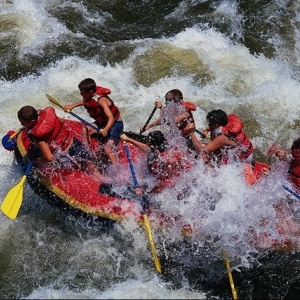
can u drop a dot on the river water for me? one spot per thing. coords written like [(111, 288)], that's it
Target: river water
[(240, 56)]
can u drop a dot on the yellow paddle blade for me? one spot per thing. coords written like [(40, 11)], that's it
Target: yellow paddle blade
[(152, 246), (227, 264), (13, 200), (54, 101)]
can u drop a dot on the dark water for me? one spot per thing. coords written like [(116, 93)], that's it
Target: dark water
[(102, 30), (49, 45)]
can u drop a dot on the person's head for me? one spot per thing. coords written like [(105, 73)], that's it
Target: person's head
[(157, 140), (216, 118), (174, 95), (87, 88), (27, 116), (296, 148)]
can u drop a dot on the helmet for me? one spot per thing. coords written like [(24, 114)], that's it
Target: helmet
[(217, 117), (9, 143), (157, 140)]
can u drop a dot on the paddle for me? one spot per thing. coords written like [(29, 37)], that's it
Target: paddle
[(13, 199), (145, 218), (147, 122), (291, 191), (227, 264), (15, 133), (200, 133), (57, 103)]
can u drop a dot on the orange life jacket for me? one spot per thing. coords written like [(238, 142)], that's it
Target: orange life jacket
[(234, 130), (189, 107), (254, 173), (50, 129), (96, 111)]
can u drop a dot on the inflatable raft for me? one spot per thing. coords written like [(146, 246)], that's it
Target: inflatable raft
[(76, 191), (74, 188)]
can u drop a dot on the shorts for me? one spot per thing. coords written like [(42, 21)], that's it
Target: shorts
[(115, 131)]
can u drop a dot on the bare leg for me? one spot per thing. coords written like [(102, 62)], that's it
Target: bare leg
[(110, 152), (94, 172)]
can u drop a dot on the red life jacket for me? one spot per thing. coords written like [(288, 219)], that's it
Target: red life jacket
[(189, 107), (50, 129), (234, 130), (167, 164), (96, 111)]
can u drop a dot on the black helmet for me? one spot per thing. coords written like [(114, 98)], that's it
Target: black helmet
[(157, 140), (217, 117), (296, 144)]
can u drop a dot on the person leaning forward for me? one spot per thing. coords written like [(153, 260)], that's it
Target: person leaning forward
[(52, 140), (103, 110), (228, 139)]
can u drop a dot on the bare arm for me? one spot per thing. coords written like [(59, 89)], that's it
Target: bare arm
[(218, 142), (141, 146), (47, 154), (69, 107), (158, 104), (182, 116), (196, 142), (153, 124)]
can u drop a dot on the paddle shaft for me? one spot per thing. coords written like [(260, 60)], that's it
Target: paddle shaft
[(84, 121), (291, 191), (200, 133), (135, 181), (149, 119), (57, 103), (15, 133), (145, 218), (28, 168)]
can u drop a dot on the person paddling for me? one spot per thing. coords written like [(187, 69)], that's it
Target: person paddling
[(104, 111), (176, 114), (228, 139), (228, 143)]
